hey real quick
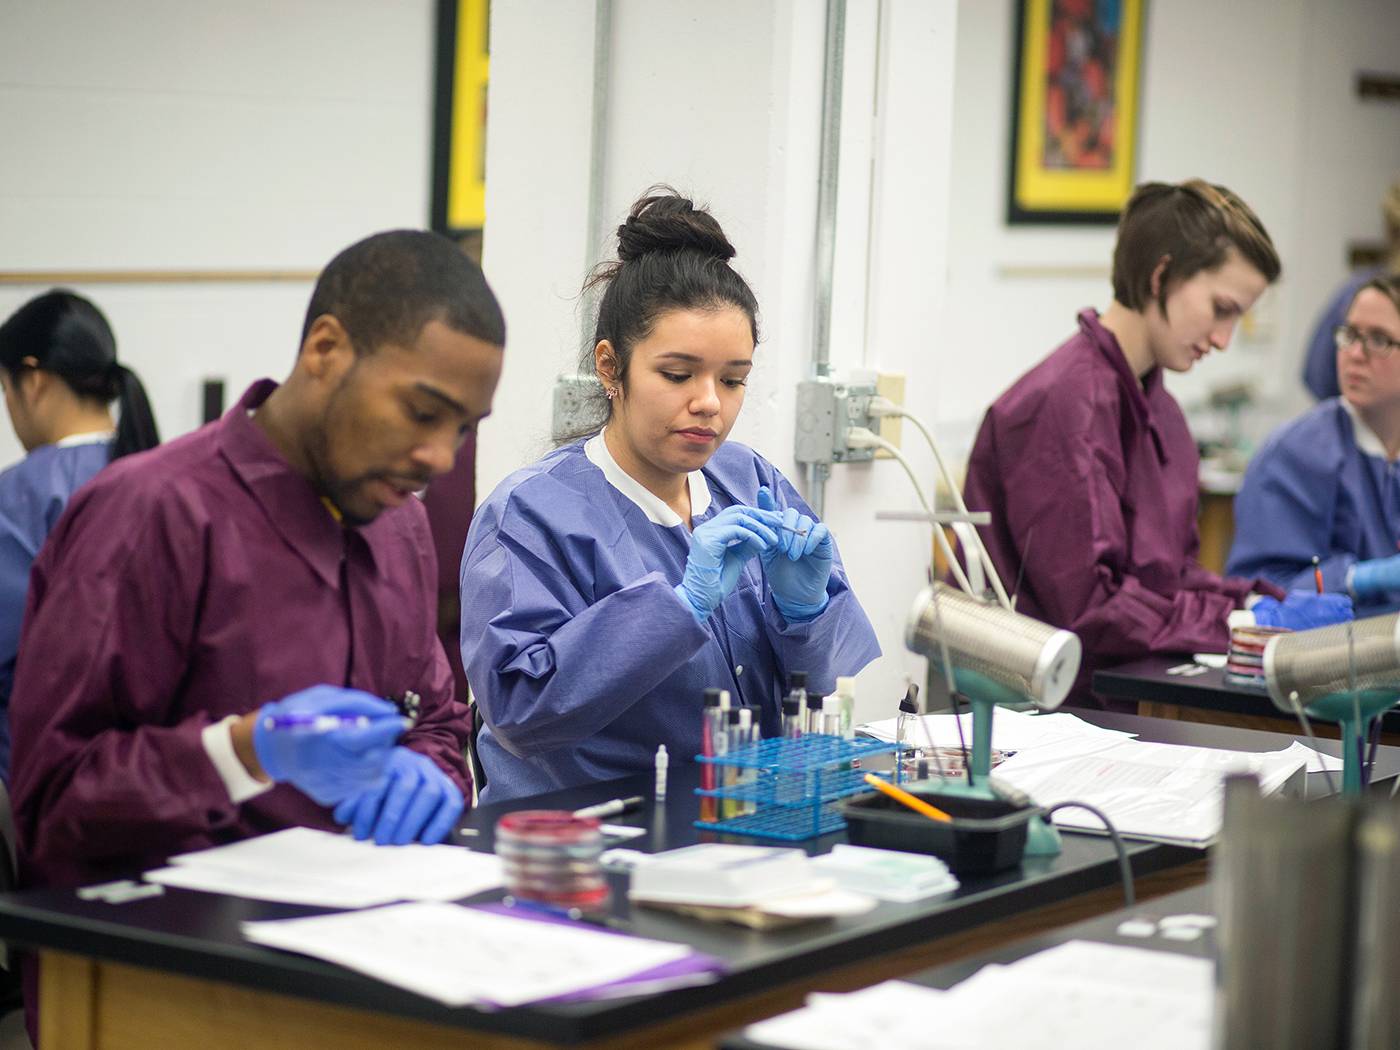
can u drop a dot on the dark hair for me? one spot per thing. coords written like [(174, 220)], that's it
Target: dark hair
[(67, 336), (385, 288), (671, 255), (1192, 225)]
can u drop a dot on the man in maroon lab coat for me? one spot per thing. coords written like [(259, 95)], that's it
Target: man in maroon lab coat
[(213, 626), (1086, 462)]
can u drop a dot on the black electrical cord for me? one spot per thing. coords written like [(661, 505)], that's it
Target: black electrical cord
[(1129, 897)]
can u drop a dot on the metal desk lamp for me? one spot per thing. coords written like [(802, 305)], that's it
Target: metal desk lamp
[(1348, 673), (989, 656)]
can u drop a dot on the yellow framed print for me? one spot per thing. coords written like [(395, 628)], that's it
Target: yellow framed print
[(461, 77), (1075, 106)]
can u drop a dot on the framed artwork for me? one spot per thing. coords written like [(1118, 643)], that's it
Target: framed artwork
[(459, 116), (1074, 110)]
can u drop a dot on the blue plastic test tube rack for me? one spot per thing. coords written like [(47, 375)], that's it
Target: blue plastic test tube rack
[(795, 787)]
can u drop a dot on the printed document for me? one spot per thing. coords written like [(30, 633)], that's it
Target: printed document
[(320, 868)]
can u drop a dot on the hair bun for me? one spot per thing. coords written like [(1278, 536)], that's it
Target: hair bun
[(667, 222)]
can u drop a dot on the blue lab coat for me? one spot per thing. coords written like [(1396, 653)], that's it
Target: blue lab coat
[(579, 652), (1320, 485), (33, 494)]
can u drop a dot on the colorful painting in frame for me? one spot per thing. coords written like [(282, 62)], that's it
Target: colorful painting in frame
[(461, 78), (1075, 110)]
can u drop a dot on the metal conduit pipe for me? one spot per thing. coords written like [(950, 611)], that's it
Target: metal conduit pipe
[(825, 247), (598, 140)]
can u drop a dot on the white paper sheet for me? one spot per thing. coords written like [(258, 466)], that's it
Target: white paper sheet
[(1081, 994), (461, 956), (1149, 790), (892, 1014), (1317, 761), (1011, 731), (307, 866)]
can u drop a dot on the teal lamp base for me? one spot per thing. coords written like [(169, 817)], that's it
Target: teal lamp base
[(983, 695), (1355, 713), (1042, 838)]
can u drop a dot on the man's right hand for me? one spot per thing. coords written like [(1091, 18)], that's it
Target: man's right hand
[(329, 742)]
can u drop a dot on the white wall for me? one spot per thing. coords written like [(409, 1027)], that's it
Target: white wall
[(1255, 94), (163, 134)]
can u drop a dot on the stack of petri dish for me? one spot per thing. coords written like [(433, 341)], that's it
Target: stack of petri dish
[(551, 857), (1245, 663)]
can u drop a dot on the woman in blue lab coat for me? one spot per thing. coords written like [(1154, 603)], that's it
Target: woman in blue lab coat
[(60, 374), (1327, 485), (607, 585)]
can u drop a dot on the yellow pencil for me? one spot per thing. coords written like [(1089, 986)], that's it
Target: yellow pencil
[(918, 805)]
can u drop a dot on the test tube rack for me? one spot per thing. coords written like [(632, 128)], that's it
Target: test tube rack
[(789, 788)]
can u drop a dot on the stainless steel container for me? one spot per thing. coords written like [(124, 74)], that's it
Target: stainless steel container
[(1283, 879)]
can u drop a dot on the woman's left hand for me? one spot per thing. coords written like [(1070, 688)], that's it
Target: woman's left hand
[(799, 565)]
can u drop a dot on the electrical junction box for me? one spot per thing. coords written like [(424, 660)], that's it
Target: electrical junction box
[(826, 410), (579, 406)]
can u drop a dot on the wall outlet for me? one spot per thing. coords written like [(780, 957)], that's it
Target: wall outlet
[(890, 386)]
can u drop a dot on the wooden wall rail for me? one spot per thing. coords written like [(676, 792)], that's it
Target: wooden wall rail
[(48, 278)]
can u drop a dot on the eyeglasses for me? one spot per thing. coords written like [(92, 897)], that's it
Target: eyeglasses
[(1374, 342)]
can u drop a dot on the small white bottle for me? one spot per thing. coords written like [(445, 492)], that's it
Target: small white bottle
[(662, 762), (846, 695)]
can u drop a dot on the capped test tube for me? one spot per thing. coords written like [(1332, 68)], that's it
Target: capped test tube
[(711, 730), (792, 718)]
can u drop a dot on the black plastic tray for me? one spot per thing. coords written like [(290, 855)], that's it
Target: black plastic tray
[(985, 835)]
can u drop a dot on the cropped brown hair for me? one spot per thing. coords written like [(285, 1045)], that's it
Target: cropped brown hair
[(1387, 284), (1192, 225)]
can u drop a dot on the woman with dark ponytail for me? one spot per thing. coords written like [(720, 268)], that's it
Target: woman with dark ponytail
[(607, 585), (60, 374)]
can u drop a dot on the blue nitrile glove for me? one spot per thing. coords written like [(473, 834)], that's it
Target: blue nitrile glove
[(329, 764), (798, 567), (416, 802), (1302, 610), (718, 550), (1377, 576)]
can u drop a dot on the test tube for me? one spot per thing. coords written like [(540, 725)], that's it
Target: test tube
[(792, 718), (743, 737), (831, 715), (755, 738), (711, 729), (729, 776), (814, 714), (846, 694), (797, 688)]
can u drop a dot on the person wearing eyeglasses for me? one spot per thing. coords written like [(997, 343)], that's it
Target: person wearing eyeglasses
[(1320, 361), (1327, 485)]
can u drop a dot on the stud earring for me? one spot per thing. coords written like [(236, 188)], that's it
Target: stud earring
[(609, 393)]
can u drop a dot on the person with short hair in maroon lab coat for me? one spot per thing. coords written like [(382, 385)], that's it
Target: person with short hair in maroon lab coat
[(1086, 463), (216, 627)]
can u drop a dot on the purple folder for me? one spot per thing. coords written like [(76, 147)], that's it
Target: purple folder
[(693, 969)]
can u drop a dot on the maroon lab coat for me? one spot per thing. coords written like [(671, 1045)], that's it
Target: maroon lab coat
[(191, 582), (1091, 480)]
